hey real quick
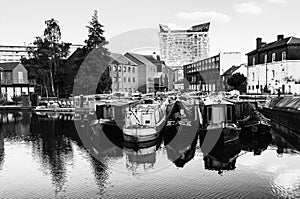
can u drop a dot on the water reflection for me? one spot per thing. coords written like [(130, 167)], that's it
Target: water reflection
[(58, 148)]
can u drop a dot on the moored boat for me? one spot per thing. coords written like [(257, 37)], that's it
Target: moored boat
[(219, 122), (144, 121)]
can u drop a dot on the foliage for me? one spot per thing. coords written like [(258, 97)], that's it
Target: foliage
[(238, 81), (93, 75), (46, 58), (17, 99)]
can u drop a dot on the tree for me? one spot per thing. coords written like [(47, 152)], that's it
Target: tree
[(93, 74), (47, 56), (238, 81)]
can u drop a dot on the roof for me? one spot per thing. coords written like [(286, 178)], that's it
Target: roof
[(9, 66), (231, 70), (140, 58), (121, 59), (216, 101), (276, 44), (196, 28)]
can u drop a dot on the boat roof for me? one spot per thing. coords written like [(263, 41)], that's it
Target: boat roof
[(118, 102), (215, 101)]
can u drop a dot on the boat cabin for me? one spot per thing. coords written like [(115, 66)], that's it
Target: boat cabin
[(146, 115), (113, 110), (217, 111)]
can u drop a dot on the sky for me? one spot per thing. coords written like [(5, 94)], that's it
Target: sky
[(133, 24)]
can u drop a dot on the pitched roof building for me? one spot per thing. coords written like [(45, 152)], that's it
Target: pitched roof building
[(274, 66)]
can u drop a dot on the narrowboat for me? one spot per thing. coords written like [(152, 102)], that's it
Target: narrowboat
[(219, 121), (143, 122)]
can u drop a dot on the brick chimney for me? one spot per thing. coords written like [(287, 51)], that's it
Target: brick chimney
[(258, 42), (280, 37)]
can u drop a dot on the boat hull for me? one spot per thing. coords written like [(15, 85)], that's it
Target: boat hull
[(140, 134)]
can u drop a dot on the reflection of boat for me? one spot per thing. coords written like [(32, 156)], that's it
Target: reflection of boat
[(222, 157), (219, 120), (181, 147), (144, 121), (255, 142), (141, 155)]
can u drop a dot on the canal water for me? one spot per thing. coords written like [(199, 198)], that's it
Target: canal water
[(43, 157)]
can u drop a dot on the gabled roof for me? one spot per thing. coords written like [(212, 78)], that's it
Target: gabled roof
[(140, 58), (276, 44), (231, 70), (121, 59), (9, 66)]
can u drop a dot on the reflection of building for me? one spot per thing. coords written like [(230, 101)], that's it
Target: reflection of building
[(123, 73), (274, 66), (206, 74), (14, 79), (146, 72), (179, 47)]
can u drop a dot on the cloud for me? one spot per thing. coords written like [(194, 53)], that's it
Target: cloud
[(249, 8), (277, 1), (203, 16)]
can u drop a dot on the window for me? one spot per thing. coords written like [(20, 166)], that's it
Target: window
[(253, 61), (129, 69), (124, 69), (253, 77), (249, 87), (229, 114), (133, 70), (283, 55), (124, 79), (273, 57), (133, 79), (266, 58), (120, 68), (20, 77), (273, 73), (129, 80)]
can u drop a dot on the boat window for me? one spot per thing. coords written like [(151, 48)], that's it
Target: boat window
[(216, 115), (147, 122), (229, 114), (208, 114)]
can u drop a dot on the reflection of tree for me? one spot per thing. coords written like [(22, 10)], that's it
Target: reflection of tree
[(100, 173), (52, 147)]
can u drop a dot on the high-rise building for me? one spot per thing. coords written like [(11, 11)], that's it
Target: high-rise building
[(181, 47)]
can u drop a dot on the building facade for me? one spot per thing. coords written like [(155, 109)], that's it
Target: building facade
[(146, 72), (274, 66), (206, 75), (180, 47), (123, 73), (163, 80), (16, 53), (14, 80)]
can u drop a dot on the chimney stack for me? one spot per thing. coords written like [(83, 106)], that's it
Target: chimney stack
[(258, 42), (280, 37)]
